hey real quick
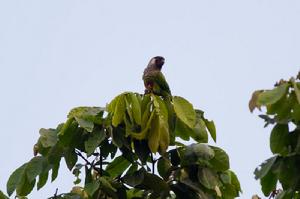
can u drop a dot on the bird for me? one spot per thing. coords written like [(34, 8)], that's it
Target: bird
[(154, 80)]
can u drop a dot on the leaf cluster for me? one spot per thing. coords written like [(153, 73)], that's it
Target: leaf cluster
[(282, 105), (131, 149)]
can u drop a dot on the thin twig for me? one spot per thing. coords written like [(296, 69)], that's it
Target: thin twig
[(152, 160), (87, 161)]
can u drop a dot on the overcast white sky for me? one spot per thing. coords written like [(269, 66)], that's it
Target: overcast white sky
[(58, 54)]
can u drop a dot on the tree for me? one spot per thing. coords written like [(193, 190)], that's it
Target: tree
[(282, 106), (132, 148)]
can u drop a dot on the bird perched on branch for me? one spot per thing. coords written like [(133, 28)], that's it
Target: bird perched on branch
[(154, 80)]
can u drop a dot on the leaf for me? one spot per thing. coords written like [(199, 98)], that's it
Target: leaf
[(89, 114), (24, 187), (136, 108), (155, 183), (2, 196), (253, 102), (119, 111), (208, 178), (235, 181), (154, 135), (48, 137), (117, 166), (142, 150), (70, 158), (87, 125), (35, 167), (268, 183), (220, 161), (200, 133), (269, 97), (184, 111), (91, 188), (106, 184), (264, 168), (135, 178), (211, 128), (182, 130), (163, 166), (94, 141), (55, 169), (297, 91), (43, 177), (279, 139), (15, 179)]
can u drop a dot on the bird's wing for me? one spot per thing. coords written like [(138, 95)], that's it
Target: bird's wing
[(161, 81)]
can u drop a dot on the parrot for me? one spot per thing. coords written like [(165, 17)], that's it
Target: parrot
[(154, 80)]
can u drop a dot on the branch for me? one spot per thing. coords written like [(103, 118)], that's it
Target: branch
[(88, 162)]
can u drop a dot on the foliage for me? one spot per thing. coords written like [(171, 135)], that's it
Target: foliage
[(118, 149), (283, 112)]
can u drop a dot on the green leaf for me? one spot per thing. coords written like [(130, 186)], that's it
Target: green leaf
[(184, 111), (199, 133), (220, 161), (253, 102), (87, 125), (94, 141), (208, 178), (134, 193), (119, 111), (43, 177), (106, 184), (35, 167), (182, 130), (55, 169), (142, 150), (135, 178), (70, 158), (15, 179), (48, 137), (91, 114), (117, 166), (279, 139), (235, 181), (264, 168), (268, 183), (155, 183), (91, 187), (2, 196), (25, 187), (269, 97), (136, 108), (163, 166), (297, 90), (211, 128)]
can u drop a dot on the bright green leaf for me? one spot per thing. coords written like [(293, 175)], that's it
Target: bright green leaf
[(136, 108), (211, 128), (119, 111), (184, 111), (271, 96)]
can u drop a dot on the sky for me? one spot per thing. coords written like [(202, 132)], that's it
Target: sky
[(59, 54)]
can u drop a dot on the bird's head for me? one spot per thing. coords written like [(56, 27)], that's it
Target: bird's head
[(157, 62)]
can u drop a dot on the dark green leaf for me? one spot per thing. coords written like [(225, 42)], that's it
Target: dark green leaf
[(135, 178), (24, 187), (268, 183), (43, 177), (106, 184), (184, 111), (117, 166), (70, 158), (264, 168), (271, 96), (15, 179), (235, 181), (297, 91), (200, 133), (163, 166), (91, 187), (94, 141), (220, 161), (35, 167), (279, 139), (142, 150), (55, 169), (182, 130), (2, 196)]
